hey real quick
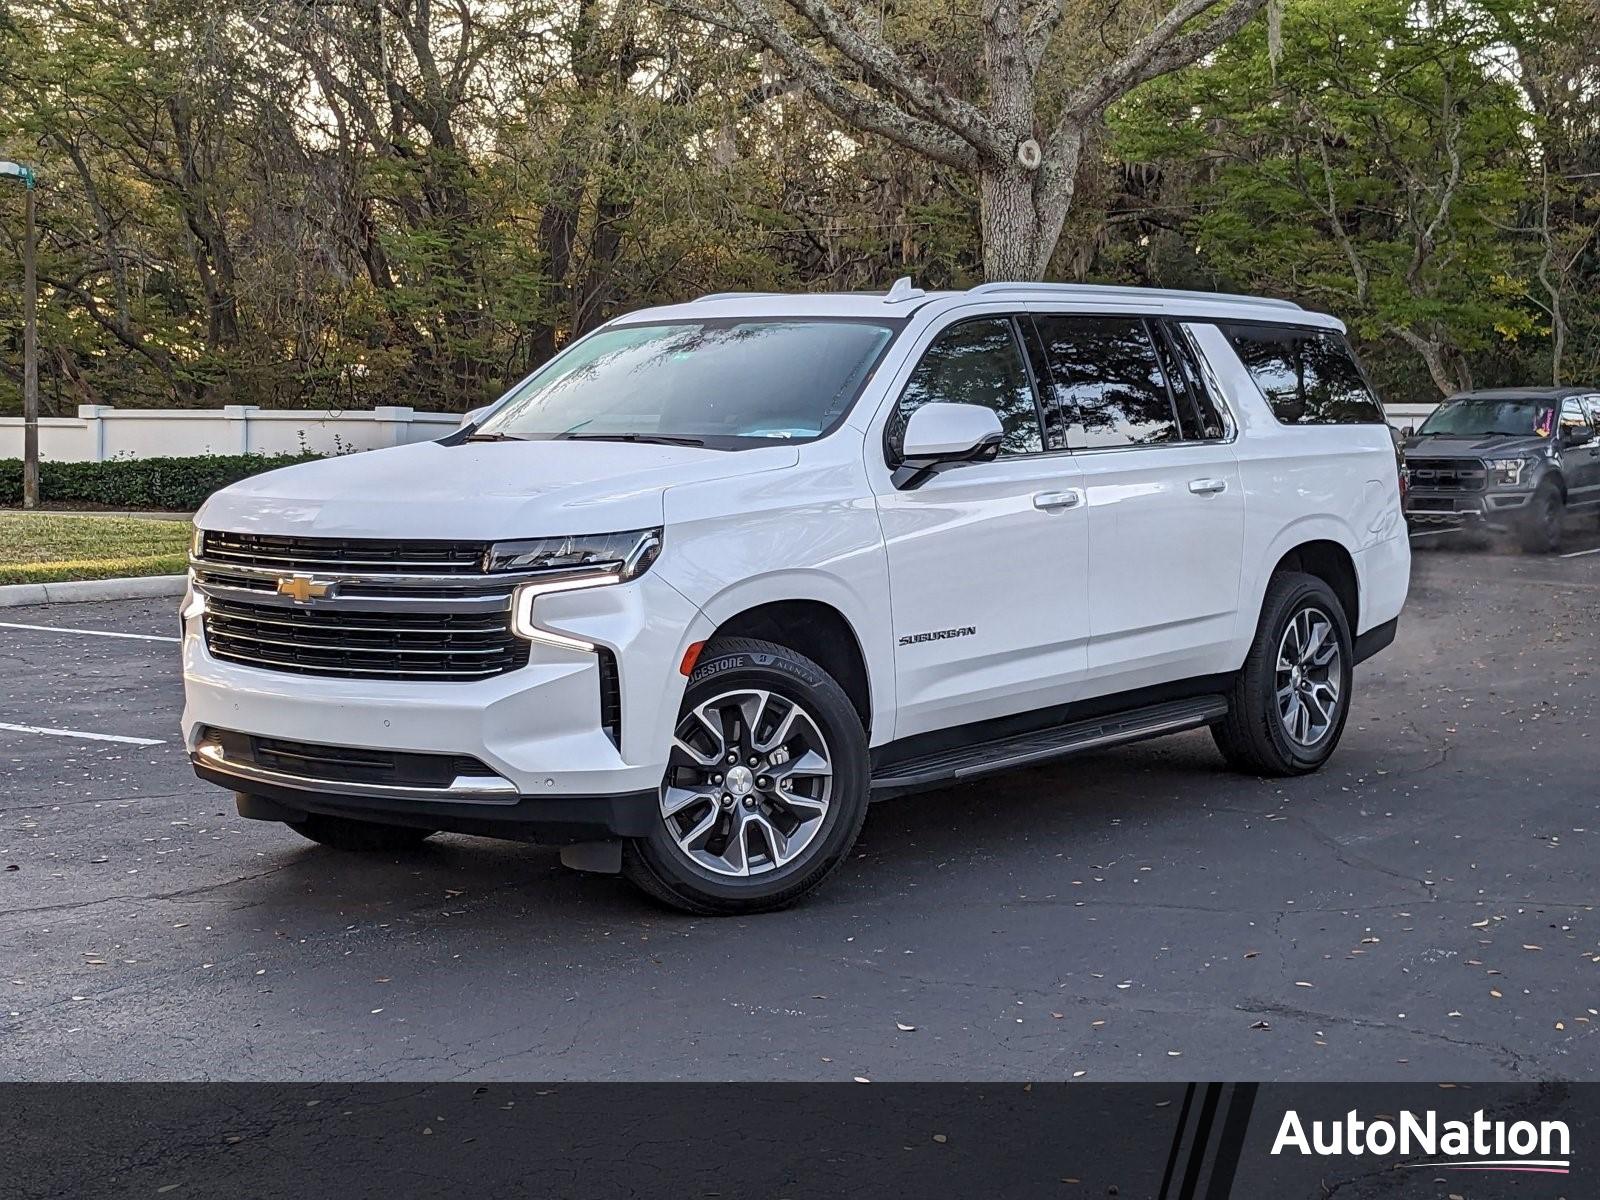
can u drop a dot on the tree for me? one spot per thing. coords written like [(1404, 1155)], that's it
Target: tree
[(1025, 158), (1372, 170)]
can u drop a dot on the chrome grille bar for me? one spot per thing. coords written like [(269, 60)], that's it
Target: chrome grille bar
[(435, 615)]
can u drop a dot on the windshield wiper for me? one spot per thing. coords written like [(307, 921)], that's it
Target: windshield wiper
[(493, 437), (665, 439)]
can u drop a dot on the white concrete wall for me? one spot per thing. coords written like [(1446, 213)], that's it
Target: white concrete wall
[(1401, 415), (100, 432)]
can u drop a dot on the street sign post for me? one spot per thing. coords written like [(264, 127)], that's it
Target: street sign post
[(30, 339)]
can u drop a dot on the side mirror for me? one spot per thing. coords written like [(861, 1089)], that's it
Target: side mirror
[(1573, 435), (945, 435), (1409, 431)]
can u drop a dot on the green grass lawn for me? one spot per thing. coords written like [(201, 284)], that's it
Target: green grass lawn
[(51, 547)]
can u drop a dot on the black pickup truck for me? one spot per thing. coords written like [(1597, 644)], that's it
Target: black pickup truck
[(1512, 459)]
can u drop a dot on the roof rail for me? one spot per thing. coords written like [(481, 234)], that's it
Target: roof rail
[(1094, 289), (730, 296)]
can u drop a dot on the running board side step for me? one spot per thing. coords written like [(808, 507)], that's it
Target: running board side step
[(1029, 749)]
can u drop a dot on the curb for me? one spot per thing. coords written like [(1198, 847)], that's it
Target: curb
[(16, 595)]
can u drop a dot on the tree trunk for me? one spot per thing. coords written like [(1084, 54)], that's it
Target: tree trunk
[(1010, 225), (1447, 366)]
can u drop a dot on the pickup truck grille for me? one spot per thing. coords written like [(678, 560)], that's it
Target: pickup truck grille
[(1447, 474), (378, 609)]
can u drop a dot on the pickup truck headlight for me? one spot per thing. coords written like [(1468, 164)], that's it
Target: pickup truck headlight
[(1508, 471), (568, 564)]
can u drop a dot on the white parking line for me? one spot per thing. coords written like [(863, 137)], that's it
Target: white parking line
[(138, 637), (78, 733), (1581, 553)]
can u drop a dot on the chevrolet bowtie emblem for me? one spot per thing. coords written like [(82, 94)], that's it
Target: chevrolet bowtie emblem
[(301, 588)]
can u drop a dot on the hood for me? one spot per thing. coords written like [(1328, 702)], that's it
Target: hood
[(476, 491), (1476, 445)]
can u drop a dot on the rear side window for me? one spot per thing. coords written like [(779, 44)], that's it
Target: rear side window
[(1108, 381), (1308, 376), (1198, 411), (975, 362)]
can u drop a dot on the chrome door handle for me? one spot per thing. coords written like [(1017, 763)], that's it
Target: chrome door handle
[(1070, 498), (1207, 487)]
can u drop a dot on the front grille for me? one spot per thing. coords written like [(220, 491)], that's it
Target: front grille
[(368, 556), (345, 764), (362, 644), (384, 609), (1447, 474)]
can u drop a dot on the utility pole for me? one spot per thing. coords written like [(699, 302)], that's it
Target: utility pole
[(30, 340)]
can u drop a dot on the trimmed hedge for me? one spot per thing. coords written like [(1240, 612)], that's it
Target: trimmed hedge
[(172, 484)]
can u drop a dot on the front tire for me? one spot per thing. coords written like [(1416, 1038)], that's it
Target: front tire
[(1290, 700), (1542, 524), (342, 833), (766, 788)]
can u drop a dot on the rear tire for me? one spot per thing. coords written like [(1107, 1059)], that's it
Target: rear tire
[(1540, 528), (342, 833), (766, 789), (1291, 698)]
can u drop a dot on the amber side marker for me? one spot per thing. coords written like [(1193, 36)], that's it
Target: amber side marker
[(690, 657)]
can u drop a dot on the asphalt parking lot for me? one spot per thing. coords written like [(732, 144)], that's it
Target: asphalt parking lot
[(1424, 908)]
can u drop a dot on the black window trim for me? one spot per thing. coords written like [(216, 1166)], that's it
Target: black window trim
[(1181, 339), (892, 456)]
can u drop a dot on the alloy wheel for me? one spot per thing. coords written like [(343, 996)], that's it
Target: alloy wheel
[(1309, 674), (748, 783)]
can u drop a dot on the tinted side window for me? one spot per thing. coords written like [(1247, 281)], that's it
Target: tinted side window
[(1309, 377), (975, 362), (1108, 381), (1573, 415), (1198, 410)]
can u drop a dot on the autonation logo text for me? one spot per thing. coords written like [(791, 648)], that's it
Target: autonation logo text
[(1476, 1145)]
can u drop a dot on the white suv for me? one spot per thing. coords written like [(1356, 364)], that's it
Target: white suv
[(693, 593)]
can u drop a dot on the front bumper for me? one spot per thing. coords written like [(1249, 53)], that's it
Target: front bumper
[(537, 730), (553, 820)]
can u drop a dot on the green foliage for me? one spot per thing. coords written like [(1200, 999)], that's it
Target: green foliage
[(290, 205), (1384, 169), (171, 484)]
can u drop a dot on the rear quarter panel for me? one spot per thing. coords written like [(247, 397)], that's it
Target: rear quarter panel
[(1306, 483)]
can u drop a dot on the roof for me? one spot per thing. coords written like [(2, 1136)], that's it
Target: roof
[(1525, 393), (904, 299)]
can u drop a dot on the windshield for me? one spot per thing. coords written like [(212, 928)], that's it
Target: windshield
[(1479, 418), (723, 384)]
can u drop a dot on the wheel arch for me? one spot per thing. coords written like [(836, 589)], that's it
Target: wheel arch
[(1320, 546), (1332, 563), (818, 630)]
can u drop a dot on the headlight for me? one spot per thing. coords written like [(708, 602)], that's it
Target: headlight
[(628, 554), (1508, 470), (569, 564), (197, 542)]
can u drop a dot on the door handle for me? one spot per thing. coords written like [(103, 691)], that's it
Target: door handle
[(1070, 498), (1208, 487)]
